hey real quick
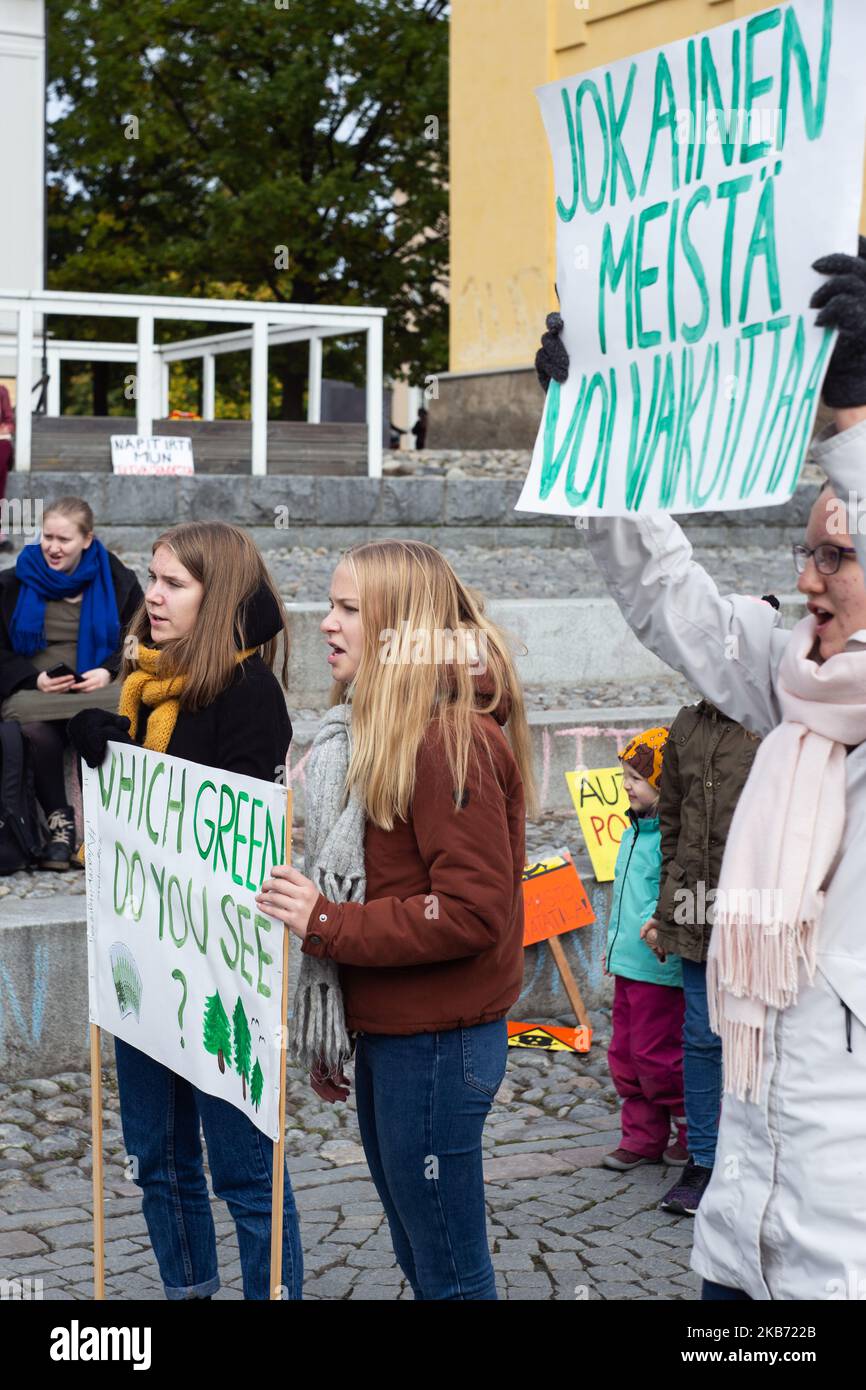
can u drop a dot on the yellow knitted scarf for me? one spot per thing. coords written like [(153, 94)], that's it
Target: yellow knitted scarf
[(143, 686)]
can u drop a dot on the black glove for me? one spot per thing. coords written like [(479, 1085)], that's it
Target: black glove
[(91, 730), (842, 301), (551, 360)]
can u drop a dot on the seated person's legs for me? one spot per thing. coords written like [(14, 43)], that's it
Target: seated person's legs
[(47, 741)]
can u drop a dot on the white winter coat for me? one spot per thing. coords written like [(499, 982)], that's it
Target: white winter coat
[(784, 1216)]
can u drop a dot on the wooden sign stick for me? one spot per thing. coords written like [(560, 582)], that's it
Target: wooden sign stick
[(96, 1145), (280, 1146), (569, 982)]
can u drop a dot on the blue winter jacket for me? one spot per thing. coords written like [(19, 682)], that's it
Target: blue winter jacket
[(633, 902)]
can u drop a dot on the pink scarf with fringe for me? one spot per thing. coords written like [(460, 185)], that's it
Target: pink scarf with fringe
[(782, 846)]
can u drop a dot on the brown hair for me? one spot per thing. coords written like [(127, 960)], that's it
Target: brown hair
[(75, 509), (226, 561)]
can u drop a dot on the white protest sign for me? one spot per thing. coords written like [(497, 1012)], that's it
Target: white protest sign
[(181, 962), (694, 187), (151, 453)]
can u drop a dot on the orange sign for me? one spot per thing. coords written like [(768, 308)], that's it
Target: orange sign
[(548, 1039), (554, 899)]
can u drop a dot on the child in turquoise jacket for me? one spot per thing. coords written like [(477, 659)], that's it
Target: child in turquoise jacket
[(646, 1050)]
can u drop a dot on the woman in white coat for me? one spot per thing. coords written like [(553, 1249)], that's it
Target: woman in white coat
[(784, 1216)]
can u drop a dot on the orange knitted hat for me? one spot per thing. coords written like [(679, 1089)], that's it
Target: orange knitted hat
[(645, 753)]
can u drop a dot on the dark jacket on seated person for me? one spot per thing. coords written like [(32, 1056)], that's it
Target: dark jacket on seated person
[(17, 672)]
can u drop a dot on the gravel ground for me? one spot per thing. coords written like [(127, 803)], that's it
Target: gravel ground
[(303, 575), (486, 463)]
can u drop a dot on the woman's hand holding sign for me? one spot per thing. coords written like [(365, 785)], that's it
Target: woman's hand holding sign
[(290, 897)]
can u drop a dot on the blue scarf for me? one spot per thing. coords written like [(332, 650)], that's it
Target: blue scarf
[(99, 627)]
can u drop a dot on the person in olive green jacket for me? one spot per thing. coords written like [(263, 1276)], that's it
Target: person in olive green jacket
[(707, 760)]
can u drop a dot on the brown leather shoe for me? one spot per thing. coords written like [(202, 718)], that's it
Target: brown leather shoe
[(624, 1160)]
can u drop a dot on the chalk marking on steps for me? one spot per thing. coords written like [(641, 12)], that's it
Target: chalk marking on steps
[(33, 1033)]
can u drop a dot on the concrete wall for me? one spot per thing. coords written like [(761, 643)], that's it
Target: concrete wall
[(302, 510), (22, 131), (486, 410)]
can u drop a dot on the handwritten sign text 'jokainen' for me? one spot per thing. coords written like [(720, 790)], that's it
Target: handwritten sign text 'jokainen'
[(694, 186)]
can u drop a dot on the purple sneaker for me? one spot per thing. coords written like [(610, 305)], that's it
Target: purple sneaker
[(685, 1195)]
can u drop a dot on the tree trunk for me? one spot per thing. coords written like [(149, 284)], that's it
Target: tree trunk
[(293, 383), (100, 387)]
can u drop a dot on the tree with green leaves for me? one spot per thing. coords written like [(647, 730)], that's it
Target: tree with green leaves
[(242, 1044), (294, 152), (217, 1031), (256, 1084)]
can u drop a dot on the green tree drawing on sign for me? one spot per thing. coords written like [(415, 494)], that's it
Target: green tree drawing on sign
[(217, 1032), (256, 1083), (242, 1044)]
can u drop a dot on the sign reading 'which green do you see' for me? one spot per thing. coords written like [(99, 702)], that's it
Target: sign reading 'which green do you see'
[(694, 186), (181, 962)]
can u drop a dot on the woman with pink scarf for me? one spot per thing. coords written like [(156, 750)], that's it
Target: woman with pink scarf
[(784, 1215)]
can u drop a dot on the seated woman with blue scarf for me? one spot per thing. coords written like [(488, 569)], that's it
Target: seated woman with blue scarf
[(68, 601)]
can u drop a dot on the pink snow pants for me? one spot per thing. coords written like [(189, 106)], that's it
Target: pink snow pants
[(646, 1063)]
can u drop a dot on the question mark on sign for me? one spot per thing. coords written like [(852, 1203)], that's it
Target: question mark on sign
[(179, 975)]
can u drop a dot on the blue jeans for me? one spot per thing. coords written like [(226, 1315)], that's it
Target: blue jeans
[(702, 1067), (711, 1292), (422, 1104), (160, 1113)]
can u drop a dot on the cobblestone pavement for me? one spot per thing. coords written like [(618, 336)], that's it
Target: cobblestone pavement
[(560, 1226)]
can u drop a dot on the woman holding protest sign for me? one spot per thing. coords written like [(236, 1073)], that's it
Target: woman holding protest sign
[(783, 1215), (200, 684), (64, 609), (412, 900)]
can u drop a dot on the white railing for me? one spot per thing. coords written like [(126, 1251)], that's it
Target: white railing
[(270, 324)]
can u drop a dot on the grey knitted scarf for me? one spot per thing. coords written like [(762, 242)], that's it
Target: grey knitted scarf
[(334, 860)]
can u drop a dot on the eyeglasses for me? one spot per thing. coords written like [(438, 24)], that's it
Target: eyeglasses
[(827, 557)]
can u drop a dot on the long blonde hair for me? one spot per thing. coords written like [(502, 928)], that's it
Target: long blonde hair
[(409, 594), (227, 563)]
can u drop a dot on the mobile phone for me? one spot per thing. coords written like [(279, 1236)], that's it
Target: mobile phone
[(61, 669)]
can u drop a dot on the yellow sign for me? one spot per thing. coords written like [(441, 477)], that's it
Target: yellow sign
[(602, 809)]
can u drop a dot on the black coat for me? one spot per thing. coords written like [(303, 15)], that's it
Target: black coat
[(18, 672), (246, 729)]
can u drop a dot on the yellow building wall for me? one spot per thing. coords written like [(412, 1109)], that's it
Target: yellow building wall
[(503, 234)]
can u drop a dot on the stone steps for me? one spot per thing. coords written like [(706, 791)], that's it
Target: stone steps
[(575, 642), (81, 444)]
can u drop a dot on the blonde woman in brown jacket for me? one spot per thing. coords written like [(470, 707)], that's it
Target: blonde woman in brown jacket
[(430, 957)]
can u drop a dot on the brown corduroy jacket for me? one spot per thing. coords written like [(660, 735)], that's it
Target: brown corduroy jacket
[(438, 943)]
